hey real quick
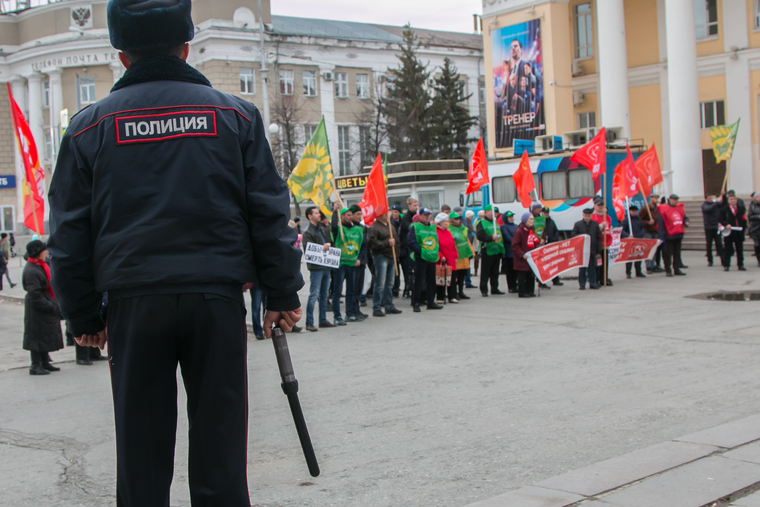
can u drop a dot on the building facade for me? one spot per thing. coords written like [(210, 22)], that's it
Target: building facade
[(57, 56), (657, 71)]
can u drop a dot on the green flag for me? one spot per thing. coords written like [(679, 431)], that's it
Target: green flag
[(313, 176), (723, 139)]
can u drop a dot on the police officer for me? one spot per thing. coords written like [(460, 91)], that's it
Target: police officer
[(166, 195)]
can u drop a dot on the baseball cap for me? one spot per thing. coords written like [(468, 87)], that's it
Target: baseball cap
[(509, 214), (598, 200), (545, 208), (454, 214), (395, 207), (344, 211), (424, 211), (674, 196)]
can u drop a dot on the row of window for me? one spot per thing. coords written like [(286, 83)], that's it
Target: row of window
[(85, 91), (556, 185), (705, 20), (710, 113), (309, 81)]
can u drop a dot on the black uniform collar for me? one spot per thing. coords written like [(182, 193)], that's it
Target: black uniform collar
[(160, 68)]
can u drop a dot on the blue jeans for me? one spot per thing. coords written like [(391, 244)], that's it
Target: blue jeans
[(257, 300), (590, 271), (344, 273), (319, 286), (385, 274)]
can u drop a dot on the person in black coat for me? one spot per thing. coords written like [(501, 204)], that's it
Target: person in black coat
[(734, 215), (590, 227), (42, 318), (711, 210), (636, 230), (551, 235)]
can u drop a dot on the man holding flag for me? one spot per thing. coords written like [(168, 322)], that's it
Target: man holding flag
[(491, 251)]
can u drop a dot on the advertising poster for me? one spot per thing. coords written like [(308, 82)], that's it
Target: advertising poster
[(556, 258), (518, 87)]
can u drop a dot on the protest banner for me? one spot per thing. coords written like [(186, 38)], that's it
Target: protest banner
[(636, 249), (614, 249), (315, 254), (556, 258)]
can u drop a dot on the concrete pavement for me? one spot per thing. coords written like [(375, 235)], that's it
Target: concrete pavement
[(447, 408)]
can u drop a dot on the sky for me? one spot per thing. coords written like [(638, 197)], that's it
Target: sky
[(446, 15)]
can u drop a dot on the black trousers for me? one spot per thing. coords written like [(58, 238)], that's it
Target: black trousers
[(629, 265), (671, 253), (148, 336), (526, 282), (712, 235), (424, 278), (489, 272), (509, 269), (459, 277), (734, 242)]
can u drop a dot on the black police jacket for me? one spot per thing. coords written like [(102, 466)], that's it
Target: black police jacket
[(169, 184)]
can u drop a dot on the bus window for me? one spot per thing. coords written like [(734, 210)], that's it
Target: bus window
[(580, 183), (475, 199), (504, 189), (553, 185)]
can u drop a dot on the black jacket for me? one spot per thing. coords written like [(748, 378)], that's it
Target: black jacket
[(754, 220), (638, 227), (727, 217), (406, 223), (711, 215), (551, 233), (168, 183), (378, 238), (318, 235), (592, 229), (42, 319)]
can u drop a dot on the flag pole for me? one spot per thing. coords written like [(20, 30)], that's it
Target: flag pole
[(340, 221), (628, 205), (390, 229), (646, 202), (725, 178), (604, 233)]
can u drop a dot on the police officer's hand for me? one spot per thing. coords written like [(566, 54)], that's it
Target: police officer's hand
[(285, 320), (93, 340)]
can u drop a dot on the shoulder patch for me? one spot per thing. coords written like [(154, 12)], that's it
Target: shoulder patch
[(165, 126)]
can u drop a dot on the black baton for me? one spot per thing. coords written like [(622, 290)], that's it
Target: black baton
[(290, 388)]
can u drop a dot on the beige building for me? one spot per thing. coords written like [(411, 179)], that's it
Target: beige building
[(658, 71), (57, 56)]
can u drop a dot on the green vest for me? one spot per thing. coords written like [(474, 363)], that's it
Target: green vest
[(349, 249), (495, 247), (460, 240), (427, 238)]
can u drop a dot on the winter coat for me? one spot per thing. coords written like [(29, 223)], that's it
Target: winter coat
[(711, 215), (520, 248), (42, 319), (645, 217), (508, 232), (592, 229), (638, 228), (447, 249), (378, 237), (316, 234), (727, 217), (551, 232), (754, 220)]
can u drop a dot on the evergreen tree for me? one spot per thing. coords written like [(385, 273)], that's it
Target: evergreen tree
[(407, 106), (450, 115)]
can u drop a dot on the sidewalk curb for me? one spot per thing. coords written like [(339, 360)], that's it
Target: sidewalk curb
[(11, 299)]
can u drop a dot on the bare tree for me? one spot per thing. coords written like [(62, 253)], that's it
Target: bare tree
[(369, 118), (288, 145)]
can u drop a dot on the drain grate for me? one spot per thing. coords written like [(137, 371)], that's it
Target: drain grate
[(746, 295)]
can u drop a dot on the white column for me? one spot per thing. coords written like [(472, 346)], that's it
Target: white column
[(118, 70), (56, 105), (664, 150), (613, 65), (35, 124), (327, 101), (683, 100), (17, 88)]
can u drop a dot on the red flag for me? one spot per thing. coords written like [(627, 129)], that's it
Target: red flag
[(33, 186), (374, 201), (524, 183), (478, 174), (618, 195), (631, 177), (593, 155), (648, 169)]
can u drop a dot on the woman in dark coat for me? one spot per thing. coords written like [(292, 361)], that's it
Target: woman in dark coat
[(523, 241), (42, 318)]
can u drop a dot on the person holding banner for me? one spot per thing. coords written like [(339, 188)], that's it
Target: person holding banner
[(673, 219), (319, 276), (734, 222), (636, 230), (350, 244), (590, 227), (382, 243), (491, 251), (523, 242), (423, 242)]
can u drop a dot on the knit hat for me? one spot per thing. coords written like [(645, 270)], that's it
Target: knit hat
[(469, 213), (416, 218), (525, 217), (153, 25), (34, 248), (535, 205), (441, 217)]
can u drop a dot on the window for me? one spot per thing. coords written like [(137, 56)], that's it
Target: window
[(757, 14), (580, 183), (475, 199), (706, 18), (584, 43), (553, 185), (362, 86), (308, 132), (310, 83), (482, 93), (587, 120), (712, 113), (7, 218), (341, 85), (48, 139), (286, 82), (87, 90), (46, 94), (431, 200), (365, 145), (247, 83), (344, 151), (504, 189)]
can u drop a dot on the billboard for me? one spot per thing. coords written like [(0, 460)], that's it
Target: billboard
[(518, 85)]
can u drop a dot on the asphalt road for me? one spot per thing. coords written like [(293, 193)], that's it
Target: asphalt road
[(439, 408)]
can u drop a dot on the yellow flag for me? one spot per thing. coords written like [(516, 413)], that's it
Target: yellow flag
[(723, 139)]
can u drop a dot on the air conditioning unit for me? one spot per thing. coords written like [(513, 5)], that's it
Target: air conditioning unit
[(575, 139), (521, 145), (615, 137), (327, 75), (578, 98), (546, 144), (577, 68)]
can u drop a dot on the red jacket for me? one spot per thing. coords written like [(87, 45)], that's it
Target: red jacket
[(447, 249), (521, 246)]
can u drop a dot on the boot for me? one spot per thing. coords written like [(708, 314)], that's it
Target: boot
[(36, 367), (46, 363)]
